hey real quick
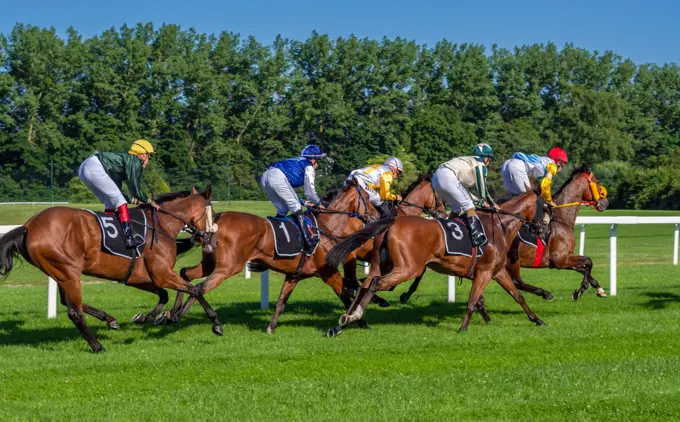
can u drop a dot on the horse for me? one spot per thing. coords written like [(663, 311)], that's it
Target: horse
[(395, 258), (418, 198), (244, 238), (581, 188), (65, 243)]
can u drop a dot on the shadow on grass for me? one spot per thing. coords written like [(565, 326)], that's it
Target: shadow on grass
[(660, 300)]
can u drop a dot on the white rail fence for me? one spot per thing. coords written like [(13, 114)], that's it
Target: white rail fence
[(613, 222)]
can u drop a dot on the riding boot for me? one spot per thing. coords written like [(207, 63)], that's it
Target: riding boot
[(310, 241), (131, 241), (477, 235)]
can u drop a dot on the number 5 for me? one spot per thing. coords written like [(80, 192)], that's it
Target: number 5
[(108, 224)]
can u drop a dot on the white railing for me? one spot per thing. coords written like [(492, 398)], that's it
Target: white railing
[(613, 222)]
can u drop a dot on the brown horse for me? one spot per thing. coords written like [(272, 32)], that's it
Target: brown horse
[(65, 243), (581, 189), (406, 245), (419, 198), (246, 238)]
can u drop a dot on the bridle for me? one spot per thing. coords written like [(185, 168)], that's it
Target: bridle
[(431, 211)]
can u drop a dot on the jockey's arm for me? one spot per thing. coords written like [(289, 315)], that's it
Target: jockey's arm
[(546, 182), (133, 178), (482, 189), (385, 186), (310, 190)]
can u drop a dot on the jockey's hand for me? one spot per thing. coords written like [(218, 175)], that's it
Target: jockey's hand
[(399, 198), (486, 205), (552, 204), (496, 207), (154, 205)]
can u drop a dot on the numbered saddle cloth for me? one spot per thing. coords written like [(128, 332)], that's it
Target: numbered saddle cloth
[(457, 235), (113, 240), (288, 241)]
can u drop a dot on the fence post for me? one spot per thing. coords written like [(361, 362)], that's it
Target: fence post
[(452, 288), (247, 271), (612, 260), (582, 242), (675, 244), (264, 290), (51, 298)]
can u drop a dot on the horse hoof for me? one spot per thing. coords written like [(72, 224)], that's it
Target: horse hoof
[(344, 320), (541, 323), (160, 319), (549, 297), (99, 349), (217, 329), (139, 318), (363, 325), (332, 332), (601, 293), (270, 330), (383, 303), (113, 325), (404, 298), (575, 296)]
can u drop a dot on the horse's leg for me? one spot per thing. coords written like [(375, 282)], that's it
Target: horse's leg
[(583, 265), (110, 321), (286, 290), (412, 289), (351, 282), (481, 307), (503, 278), (479, 283), (162, 300), (200, 270), (514, 271)]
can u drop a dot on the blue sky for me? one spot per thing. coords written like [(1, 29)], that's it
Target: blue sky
[(643, 31)]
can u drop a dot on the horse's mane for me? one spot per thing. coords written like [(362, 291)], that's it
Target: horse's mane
[(422, 177), (578, 170), (166, 197), (332, 194), (504, 200)]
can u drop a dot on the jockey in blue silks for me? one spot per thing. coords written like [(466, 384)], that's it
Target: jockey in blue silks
[(279, 180)]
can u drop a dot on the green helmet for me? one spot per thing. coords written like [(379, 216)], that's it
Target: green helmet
[(483, 150)]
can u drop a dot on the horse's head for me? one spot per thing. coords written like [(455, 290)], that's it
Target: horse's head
[(352, 199), (583, 186), (421, 194), (194, 210)]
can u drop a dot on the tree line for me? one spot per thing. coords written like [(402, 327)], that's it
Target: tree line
[(221, 107)]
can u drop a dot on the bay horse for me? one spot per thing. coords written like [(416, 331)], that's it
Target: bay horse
[(404, 246), (244, 238), (66, 242), (419, 198), (581, 188)]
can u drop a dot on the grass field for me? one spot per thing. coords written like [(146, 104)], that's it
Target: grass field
[(598, 359)]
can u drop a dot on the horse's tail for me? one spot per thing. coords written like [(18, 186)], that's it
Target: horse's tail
[(337, 255), (11, 246)]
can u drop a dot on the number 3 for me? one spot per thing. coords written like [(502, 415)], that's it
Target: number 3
[(456, 232)]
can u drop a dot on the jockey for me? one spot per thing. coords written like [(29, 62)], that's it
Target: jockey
[(376, 180), (104, 173), (521, 168), (452, 181), (281, 177)]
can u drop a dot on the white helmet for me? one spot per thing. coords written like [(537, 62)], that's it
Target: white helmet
[(394, 162)]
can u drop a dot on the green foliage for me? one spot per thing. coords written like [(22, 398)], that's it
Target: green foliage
[(222, 107)]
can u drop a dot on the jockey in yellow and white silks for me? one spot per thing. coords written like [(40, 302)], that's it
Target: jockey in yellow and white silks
[(453, 179), (521, 168), (377, 180)]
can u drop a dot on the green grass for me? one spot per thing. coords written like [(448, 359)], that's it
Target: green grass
[(599, 359)]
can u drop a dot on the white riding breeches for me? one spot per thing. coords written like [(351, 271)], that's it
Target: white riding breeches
[(278, 189), (93, 174), (515, 177), (452, 192)]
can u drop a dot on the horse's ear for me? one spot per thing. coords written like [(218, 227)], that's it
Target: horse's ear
[(208, 192), (194, 191)]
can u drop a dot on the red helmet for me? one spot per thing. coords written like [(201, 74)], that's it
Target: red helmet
[(558, 155)]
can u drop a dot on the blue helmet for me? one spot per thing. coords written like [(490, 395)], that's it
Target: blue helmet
[(312, 151), (483, 150)]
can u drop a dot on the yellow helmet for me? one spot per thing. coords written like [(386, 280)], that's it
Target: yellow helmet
[(141, 146)]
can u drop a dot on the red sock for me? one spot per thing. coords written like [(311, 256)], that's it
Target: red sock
[(123, 213)]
